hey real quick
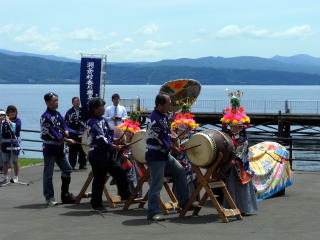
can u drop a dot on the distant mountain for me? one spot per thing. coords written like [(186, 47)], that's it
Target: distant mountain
[(244, 62), (30, 69), (26, 69), (48, 57), (206, 75), (302, 59)]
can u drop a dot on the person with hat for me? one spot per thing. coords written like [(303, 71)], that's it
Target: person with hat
[(126, 159), (184, 126), (239, 182), (54, 133)]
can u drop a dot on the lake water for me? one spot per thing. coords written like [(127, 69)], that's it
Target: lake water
[(29, 101)]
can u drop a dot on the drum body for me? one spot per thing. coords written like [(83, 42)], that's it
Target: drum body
[(212, 142), (118, 133), (139, 148)]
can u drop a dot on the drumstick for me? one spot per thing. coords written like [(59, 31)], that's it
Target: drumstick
[(181, 134), (124, 133), (129, 144), (82, 144), (191, 147)]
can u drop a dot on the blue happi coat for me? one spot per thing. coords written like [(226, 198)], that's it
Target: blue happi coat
[(100, 139), (10, 133), (75, 120), (52, 132), (158, 137)]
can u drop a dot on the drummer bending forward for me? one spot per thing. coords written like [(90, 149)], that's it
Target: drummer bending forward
[(159, 159), (100, 155)]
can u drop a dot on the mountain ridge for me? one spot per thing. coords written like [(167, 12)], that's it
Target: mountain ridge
[(34, 69)]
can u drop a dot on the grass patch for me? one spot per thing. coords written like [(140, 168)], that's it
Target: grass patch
[(29, 161)]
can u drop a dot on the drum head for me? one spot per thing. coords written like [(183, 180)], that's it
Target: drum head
[(200, 156), (139, 149), (84, 140)]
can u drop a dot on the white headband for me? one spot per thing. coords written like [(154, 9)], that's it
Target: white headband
[(3, 113)]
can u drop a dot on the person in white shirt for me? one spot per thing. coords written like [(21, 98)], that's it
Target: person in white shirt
[(116, 114)]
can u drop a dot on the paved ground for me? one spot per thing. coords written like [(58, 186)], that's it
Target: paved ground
[(24, 216)]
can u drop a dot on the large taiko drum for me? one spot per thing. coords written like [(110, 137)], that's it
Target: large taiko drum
[(139, 148), (210, 142), (85, 138)]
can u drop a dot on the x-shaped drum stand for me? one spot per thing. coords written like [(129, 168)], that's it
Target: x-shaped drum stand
[(209, 181), (146, 179), (111, 200)]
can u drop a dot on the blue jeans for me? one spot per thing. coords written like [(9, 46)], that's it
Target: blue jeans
[(157, 170), (49, 161)]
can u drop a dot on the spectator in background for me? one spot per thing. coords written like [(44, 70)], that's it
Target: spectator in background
[(2, 117), (75, 120), (115, 114), (10, 145)]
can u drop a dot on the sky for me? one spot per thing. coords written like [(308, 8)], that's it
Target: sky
[(151, 30)]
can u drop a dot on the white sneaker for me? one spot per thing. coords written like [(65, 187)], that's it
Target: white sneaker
[(15, 179), (52, 202)]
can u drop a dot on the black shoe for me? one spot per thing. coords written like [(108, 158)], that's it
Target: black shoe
[(156, 218), (67, 198), (100, 209), (82, 167)]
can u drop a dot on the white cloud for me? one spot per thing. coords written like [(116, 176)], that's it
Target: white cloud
[(31, 35), (47, 42), (231, 31), (144, 52), (203, 31), (87, 34), (113, 34), (9, 28), (196, 40), (128, 40), (147, 29), (51, 46), (113, 46), (155, 44), (296, 31)]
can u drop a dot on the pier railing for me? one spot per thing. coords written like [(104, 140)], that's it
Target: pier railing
[(251, 106), (300, 148)]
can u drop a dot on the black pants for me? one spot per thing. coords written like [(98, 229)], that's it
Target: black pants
[(76, 152), (100, 169)]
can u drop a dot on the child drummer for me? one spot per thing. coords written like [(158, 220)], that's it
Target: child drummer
[(183, 126), (127, 161), (239, 183)]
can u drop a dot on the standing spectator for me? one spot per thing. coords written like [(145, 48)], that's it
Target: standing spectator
[(10, 144), (116, 114), (2, 117), (75, 120)]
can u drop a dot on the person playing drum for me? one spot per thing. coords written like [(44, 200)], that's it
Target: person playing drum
[(102, 147), (239, 182), (183, 126), (127, 161), (159, 159)]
